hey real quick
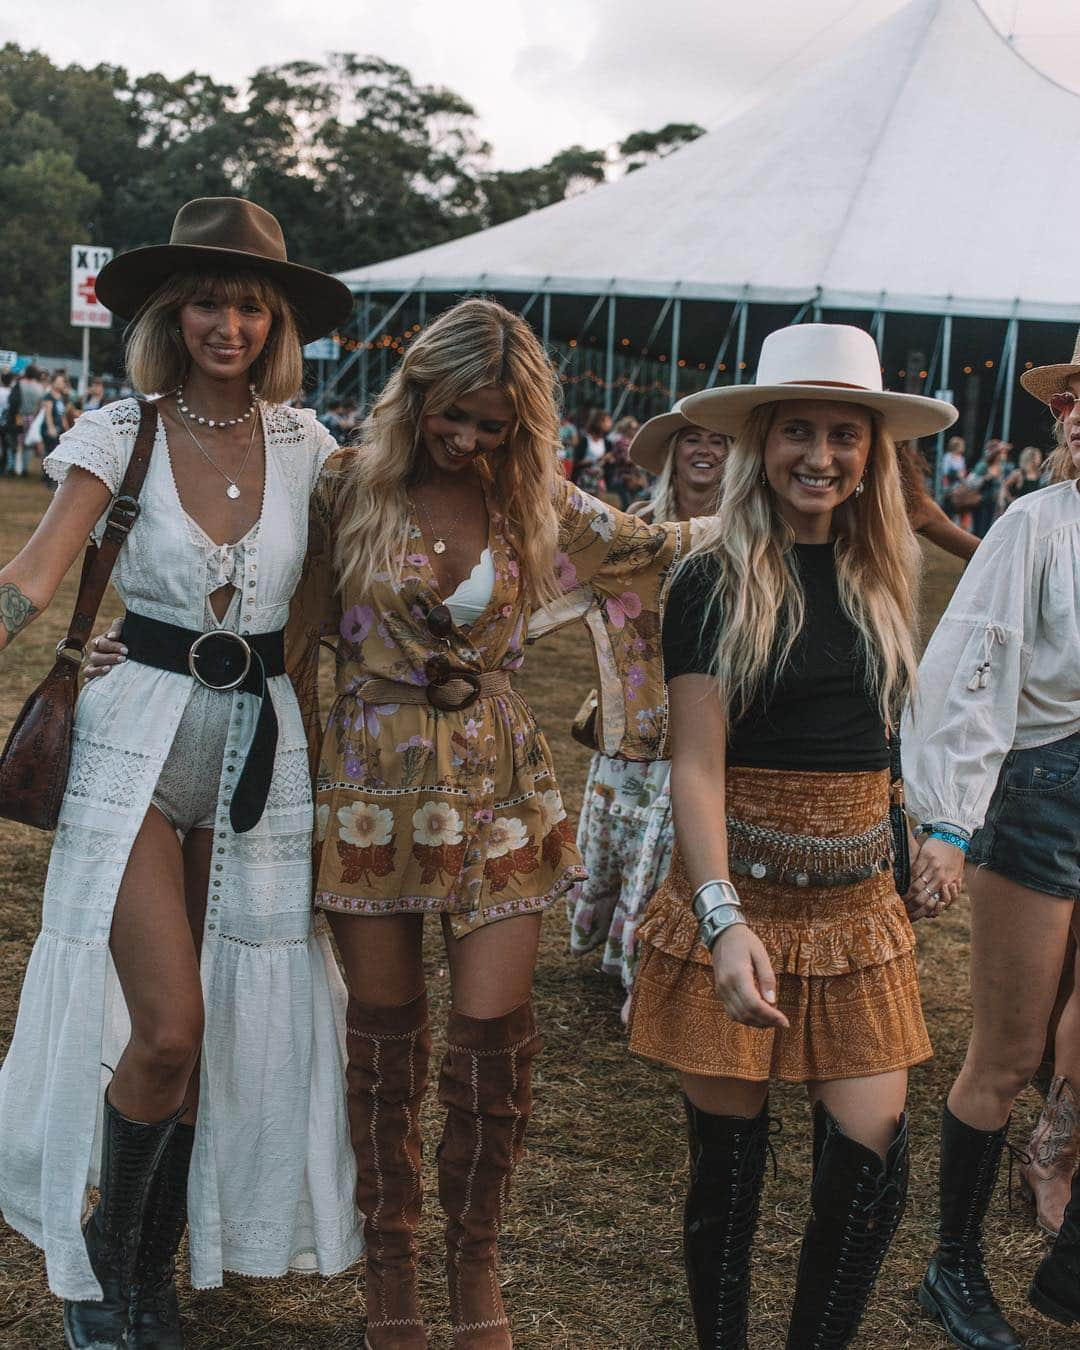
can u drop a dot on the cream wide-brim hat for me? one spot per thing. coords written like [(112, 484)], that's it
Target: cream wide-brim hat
[(1046, 381), (828, 362), (649, 448)]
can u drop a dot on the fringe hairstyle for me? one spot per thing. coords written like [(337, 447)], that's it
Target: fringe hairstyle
[(158, 361), (1060, 466), (761, 597), (475, 345)]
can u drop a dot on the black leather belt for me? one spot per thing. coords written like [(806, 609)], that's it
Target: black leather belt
[(223, 661)]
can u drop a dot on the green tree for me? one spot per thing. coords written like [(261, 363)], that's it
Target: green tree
[(642, 147)]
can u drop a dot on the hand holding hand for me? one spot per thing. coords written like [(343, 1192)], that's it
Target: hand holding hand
[(937, 875), (744, 977)]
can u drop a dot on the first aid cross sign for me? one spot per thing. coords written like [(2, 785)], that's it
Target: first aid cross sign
[(87, 260)]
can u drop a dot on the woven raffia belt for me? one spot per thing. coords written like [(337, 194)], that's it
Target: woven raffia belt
[(458, 691), (808, 860)]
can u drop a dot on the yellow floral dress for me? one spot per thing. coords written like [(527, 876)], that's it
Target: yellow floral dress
[(459, 812)]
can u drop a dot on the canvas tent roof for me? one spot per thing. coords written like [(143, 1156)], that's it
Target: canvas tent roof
[(918, 171)]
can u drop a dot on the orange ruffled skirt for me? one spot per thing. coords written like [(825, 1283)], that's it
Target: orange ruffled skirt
[(844, 956)]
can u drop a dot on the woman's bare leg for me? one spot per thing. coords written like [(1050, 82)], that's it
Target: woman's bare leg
[(868, 1110), (154, 954), (724, 1096), (382, 955), (491, 970), (1018, 942)]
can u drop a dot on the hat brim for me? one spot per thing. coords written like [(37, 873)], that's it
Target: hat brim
[(1043, 382), (906, 416), (649, 448), (321, 302)]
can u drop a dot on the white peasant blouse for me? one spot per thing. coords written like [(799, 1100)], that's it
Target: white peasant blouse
[(272, 1171), (1002, 669)]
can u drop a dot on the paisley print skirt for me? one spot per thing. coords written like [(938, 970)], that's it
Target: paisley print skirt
[(844, 955)]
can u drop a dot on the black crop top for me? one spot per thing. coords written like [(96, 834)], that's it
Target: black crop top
[(819, 715)]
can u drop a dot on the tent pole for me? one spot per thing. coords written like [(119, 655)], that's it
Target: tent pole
[(944, 388), (584, 330), (1010, 378), (524, 310), (423, 308), (740, 349), (546, 329), (999, 383), (609, 367), (365, 323), (637, 367), (676, 325), (722, 351), (367, 336)]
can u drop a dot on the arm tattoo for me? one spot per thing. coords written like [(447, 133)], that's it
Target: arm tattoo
[(16, 610)]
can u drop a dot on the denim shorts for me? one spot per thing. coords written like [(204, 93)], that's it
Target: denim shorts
[(1031, 834)]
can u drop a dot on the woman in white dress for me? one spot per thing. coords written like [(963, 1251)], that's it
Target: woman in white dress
[(177, 940)]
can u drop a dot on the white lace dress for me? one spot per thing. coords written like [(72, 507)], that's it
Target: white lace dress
[(272, 1172)]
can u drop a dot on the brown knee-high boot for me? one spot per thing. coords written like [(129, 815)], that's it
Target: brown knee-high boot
[(486, 1087), (389, 1050)]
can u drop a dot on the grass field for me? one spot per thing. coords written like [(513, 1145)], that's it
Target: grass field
[(591, 1255)]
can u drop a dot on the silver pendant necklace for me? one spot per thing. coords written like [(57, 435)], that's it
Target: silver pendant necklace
[(215, 421), (233, 490)]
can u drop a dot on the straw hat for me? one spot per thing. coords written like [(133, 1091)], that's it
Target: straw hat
[(830, 362), (219, 233), (1046, 381)]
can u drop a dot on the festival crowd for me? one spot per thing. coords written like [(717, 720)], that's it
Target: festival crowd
[(744, 568)]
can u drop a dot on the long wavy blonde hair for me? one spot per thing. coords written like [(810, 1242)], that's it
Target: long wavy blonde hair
[(760, 594), (475, 345)]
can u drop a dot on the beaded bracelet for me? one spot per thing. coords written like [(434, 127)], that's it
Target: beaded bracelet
[(957, 842)]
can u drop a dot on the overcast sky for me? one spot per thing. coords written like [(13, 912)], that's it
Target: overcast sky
[(541, 76)]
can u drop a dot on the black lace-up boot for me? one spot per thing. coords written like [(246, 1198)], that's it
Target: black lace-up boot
[(855, 1206), (1055, 1290), (130, 1154), (955, 1290), (727, 1170), (154, 1317)]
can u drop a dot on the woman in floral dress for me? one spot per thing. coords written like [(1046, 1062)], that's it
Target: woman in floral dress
[(446, 537), (625, 831)]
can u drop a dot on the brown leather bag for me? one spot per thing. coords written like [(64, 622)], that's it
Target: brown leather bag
[(36, 758)]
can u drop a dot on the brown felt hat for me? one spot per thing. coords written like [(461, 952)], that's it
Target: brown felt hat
[(1046, 381), (219, 234)]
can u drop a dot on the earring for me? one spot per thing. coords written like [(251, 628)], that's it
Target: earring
[(764, 479), (860, 488)]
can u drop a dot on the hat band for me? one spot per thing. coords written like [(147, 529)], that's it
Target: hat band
[(832, 384)]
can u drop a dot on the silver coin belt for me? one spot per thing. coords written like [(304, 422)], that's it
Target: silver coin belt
[(806, 860)]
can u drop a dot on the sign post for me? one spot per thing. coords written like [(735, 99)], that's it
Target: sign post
[(87, 312)]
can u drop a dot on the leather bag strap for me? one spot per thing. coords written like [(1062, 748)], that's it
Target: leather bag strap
[(101, 558)]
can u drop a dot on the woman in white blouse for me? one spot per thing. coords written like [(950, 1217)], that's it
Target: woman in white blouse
[(992, 769), (183, 849)]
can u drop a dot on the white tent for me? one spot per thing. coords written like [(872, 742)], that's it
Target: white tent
[(925, 169)]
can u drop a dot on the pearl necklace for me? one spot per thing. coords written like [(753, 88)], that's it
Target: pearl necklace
[(233, 490), (215, 421)]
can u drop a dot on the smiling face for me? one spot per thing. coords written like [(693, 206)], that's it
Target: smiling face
[(224, 338), (475, 424), (699, 458), (815, 456)]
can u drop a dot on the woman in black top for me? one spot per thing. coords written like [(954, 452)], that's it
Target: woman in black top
[(787, 642)]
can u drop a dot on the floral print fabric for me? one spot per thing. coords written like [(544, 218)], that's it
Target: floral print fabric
[(460, 812), (625, 835)]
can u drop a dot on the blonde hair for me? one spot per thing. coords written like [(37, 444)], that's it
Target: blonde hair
[(1060, 466), (665, 504), (475, 345), (759, 592), (158, 361)]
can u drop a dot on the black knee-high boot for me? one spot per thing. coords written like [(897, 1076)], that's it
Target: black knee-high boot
[(130, 1154), (154, 1318), (955, 1290), (855, 1206), (727, 1170), (1055, 1290)]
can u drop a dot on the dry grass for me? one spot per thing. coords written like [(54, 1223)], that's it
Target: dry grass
[(591, 1253)]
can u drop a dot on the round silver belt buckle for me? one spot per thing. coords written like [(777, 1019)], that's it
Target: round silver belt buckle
[(193, 653)]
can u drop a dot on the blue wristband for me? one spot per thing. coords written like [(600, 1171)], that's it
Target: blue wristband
[(957, 842)]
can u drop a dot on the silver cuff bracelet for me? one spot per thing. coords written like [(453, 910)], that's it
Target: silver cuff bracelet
[(716, 923), (710, 894)]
